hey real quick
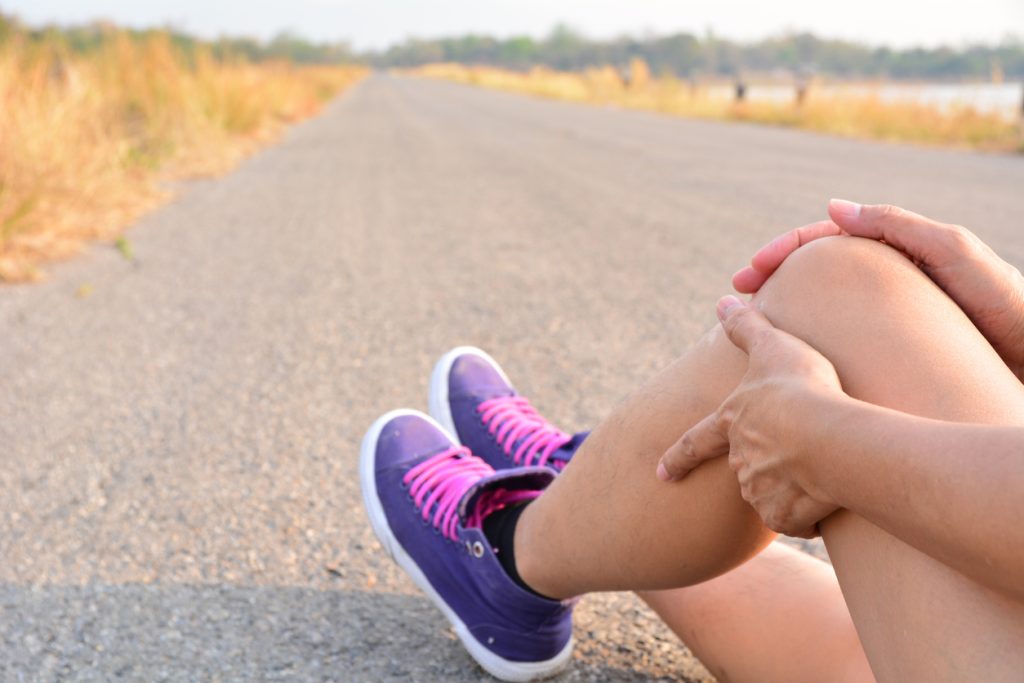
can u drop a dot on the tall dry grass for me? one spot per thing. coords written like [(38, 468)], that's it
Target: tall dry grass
[(865, 116), (86, 139)]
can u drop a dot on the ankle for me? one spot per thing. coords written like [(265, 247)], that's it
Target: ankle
[(530, 560)]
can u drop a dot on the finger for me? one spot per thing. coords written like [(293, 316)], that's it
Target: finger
[(793, 526), (804, 517), (768, 258), (748, 280), (743, 324), (702, 442), (911, 233)]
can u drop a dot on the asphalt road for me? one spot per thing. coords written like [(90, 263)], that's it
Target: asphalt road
[(178, 446)]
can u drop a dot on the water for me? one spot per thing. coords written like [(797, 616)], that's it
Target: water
[(1001, 98)]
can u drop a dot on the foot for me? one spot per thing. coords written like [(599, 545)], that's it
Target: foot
[(471, 396), (427, 497)]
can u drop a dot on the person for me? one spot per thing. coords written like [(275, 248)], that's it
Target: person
[(870, 391)]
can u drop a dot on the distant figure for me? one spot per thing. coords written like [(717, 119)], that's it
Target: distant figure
[(741, 90), (803, 83), (801, 93)]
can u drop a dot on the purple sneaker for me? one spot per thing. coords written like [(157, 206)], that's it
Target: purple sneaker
[(427, 497), (473, 398)]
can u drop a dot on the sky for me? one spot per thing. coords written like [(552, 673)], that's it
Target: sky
[(378, 23)]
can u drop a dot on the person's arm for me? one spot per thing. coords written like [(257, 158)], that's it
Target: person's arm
[(953, 491), (801, 448)]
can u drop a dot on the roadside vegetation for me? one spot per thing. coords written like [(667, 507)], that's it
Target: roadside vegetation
[(93, 126), (860, 114)]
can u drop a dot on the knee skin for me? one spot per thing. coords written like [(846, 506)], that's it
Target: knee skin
[(872, 312), (823, 279)]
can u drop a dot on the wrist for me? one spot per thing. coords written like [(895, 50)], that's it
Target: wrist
[(834, 427)]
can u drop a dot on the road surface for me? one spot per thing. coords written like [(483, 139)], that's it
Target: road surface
[(178, 433)]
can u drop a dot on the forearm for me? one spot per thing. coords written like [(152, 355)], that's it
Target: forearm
[(954, 491)]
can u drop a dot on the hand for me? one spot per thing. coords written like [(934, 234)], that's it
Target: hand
[(768, 425), (989, 290)]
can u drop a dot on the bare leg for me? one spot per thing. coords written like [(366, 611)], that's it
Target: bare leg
[(634, 531), (918, 619), (779, 618), (607, 523)]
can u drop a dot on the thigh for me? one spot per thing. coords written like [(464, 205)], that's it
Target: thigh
[(917, 352)]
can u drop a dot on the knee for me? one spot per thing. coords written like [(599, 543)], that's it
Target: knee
[(847, 263), (837, 275)]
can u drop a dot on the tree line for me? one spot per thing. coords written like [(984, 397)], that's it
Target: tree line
[(286, 45), (687, 55), (681, 54)]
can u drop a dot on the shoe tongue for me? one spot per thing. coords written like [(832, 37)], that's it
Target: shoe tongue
[(569, 449), (518, 479)]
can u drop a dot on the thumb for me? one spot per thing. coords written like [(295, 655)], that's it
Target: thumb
[(745, 326), (703, 441), (911, 233)]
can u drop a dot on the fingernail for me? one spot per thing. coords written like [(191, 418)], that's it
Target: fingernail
[(726, 304), (845, 208), (663, 473)]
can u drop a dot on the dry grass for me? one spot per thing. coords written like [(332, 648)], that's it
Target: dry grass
[(85, 140), (865, 116)]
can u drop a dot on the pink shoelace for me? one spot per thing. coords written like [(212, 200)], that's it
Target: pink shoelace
[(439, 483), (511, 419)]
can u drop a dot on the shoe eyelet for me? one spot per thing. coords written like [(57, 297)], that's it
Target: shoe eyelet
[(469, 548), (478, 550)]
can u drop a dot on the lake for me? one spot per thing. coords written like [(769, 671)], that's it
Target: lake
[(1003, 98)]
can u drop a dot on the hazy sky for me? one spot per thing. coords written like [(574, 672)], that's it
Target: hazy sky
[(375, 23)]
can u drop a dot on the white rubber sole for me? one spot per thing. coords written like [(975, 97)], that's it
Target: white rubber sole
[(440, 408), (498, 667)]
